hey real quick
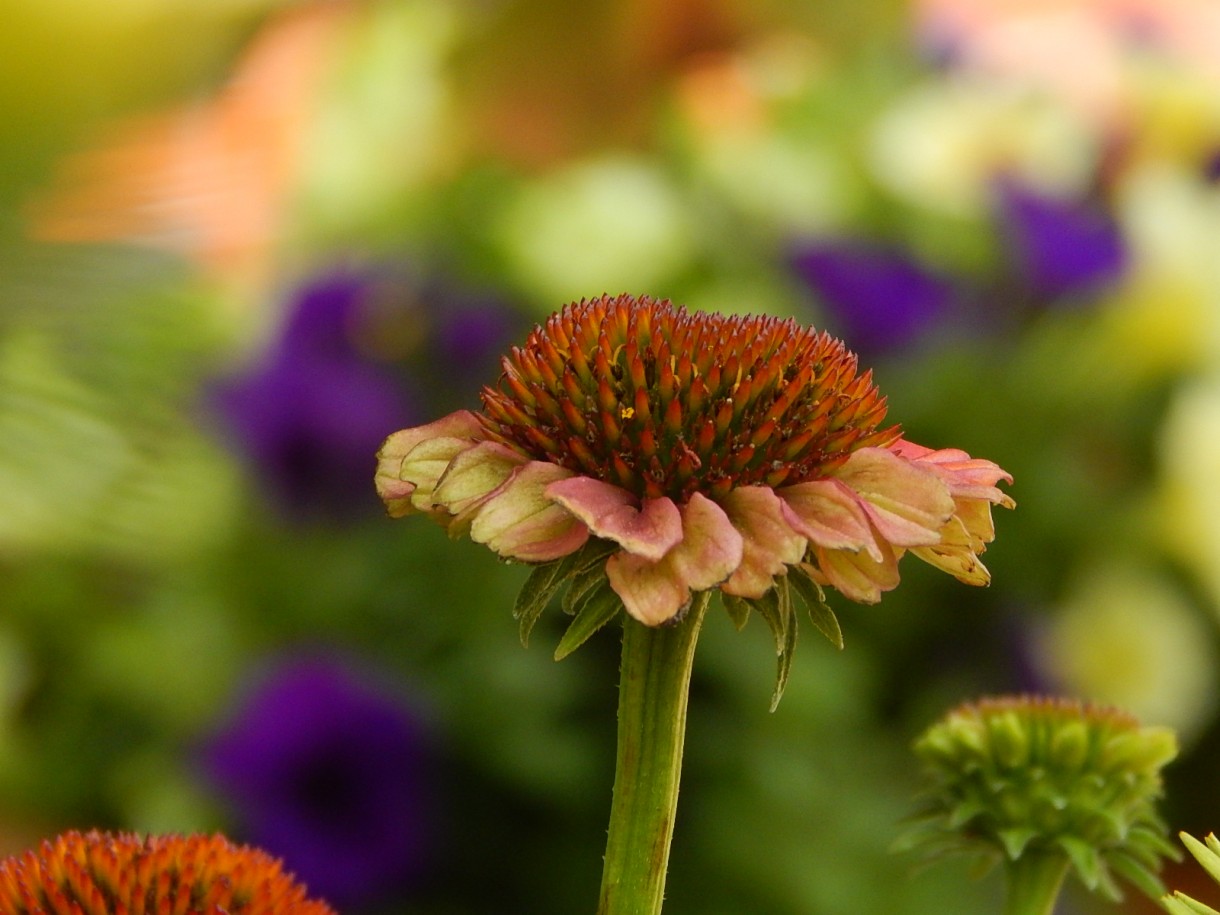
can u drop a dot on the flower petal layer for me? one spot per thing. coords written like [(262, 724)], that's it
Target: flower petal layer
[(829, 514), (396, 485), (710, 551), (519, 520), (907, 503), (966, 477), (769, 543), (471, 478), (650, 528), (857, 575)]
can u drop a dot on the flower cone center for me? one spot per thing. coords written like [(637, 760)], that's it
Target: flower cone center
[(645, 395)]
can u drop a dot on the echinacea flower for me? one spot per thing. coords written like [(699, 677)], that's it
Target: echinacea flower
[(1040, 782), (330, 771), (98, 873), (644, 453)]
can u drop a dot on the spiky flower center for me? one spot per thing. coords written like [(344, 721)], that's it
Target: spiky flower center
[(645, 395), (99, 873)]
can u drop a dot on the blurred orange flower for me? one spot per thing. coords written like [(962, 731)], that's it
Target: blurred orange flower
[(207, 180)]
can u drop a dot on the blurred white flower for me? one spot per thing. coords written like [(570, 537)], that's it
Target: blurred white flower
[(943, 144), (1126, 636), (1190, 486)]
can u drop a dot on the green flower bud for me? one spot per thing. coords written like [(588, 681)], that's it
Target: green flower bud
[(1021, 775)]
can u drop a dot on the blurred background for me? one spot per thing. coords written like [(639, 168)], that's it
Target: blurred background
[(242, 241)]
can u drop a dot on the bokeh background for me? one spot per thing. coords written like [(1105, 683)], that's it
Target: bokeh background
[(242, 241)]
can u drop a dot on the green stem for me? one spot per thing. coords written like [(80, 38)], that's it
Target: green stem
[(653, 686), (1034, 880)]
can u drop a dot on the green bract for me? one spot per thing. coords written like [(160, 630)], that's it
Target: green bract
[(1014, 776)]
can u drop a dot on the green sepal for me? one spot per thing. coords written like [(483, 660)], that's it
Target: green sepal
[(1014, 839), (819, 611), (738, 609), (582, 585), (596, 607), (1086, 862), (536, 593), (547, 578), (776, 608), (1137, 874)]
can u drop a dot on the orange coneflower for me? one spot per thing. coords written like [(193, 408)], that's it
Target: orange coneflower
[(98, 873), (207, 180), (681, 452)]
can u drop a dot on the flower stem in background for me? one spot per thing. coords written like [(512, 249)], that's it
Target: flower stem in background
[(653, 681), (1034, 881)]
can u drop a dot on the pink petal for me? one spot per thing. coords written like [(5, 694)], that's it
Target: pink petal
[(395, 488), (710, 551), (907, 503), (966, 477), (856, 575), (519, 521), (769, 543), (649, 593), (829, 514), (649, 530)]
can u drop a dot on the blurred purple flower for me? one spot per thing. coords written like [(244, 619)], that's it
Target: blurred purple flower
[(311, 416), (330, 772), (879, 297), (1059, 246), (1211, 167)]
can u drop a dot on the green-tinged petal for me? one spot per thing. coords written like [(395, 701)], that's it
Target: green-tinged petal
[(710, 551), (907, 503), (396, 487), (425, 464), (520, 522), (769, 544), (473, 475)]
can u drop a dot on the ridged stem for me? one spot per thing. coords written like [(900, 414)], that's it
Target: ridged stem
[(1034, 881), (654, 677)]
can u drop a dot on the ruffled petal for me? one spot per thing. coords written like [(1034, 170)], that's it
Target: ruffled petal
[(397, 486), (769, 543), (710, 551), (650, 528), (907, 503), (966, 477), (519, 521), (857, 575), (829, 514)]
